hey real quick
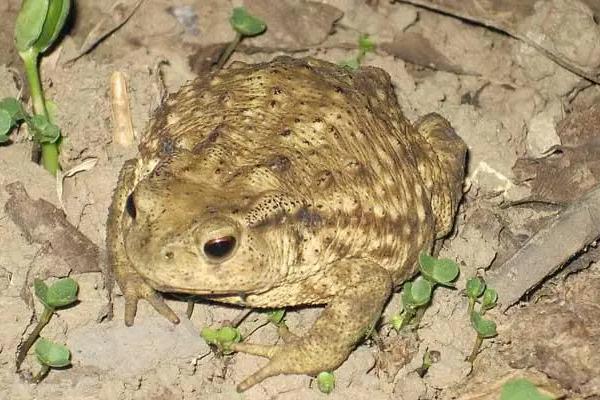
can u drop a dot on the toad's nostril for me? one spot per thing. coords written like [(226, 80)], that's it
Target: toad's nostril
[(168, 255)]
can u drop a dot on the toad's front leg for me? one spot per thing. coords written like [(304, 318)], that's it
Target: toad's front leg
[(360, 290), (131, 283)]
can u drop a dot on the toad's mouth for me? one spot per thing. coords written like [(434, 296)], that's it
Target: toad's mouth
[(208, 293)]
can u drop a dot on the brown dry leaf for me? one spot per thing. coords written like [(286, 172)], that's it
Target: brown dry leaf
[(113, 19), (574, 168), (416, 49), (563, 30), (560, 340), (292, 24)]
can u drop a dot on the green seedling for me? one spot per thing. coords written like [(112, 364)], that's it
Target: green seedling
[(417, 294), (245, 25), (61, 293), (221, 338), (276, 317), (326, 382), (429, 358), (521, 389), (50, 355), (37, 27), (478, 292), (365, 45)]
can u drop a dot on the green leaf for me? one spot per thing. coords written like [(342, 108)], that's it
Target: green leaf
[(397, 320), (445, 271), (52, 354), (43, 131), (41, 291), (53, 24), (521, 389), (489, 300), (221, 337), (62, 293), (326, 382), (228, 334), (475, 287), (209, 335), (365, 43), (276, 316), (426, 264), (30, 22), (246, 24), (6, 122), (4, 138), (442, 271), (14, 108), (485, 328), (421, 291)]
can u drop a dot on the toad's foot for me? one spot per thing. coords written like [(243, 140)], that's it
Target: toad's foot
[(352, 312), (134, 288)]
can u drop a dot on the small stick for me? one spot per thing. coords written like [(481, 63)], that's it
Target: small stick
[(550, 248), (123, 133)]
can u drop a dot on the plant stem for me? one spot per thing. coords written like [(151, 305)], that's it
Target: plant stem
[(41, 374), (475, 349), (228, 51), (471, 306), (49, 150), (408, 317), (24, 349)]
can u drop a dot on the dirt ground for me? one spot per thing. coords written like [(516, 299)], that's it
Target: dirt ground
[(527, 115)]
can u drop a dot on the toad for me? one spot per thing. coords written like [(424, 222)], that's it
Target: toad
[(291, 182)]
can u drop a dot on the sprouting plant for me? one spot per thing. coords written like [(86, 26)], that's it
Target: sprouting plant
[(245, 25), (365, 45), (430, 357), (61, 293), (221, 338), (276, 317), (38, 25), (326, 382), (521, 389), (50, 355), (417, 293), (478, 292)]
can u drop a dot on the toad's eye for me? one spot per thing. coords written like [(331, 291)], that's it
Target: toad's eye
[(220, 247), (130, 206)]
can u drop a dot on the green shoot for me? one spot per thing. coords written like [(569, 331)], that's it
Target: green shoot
[(365, 45), (429, 358), (521, 389), (417, 294), (477, 291), (50, 355), (221, 338), (276, 317), (60, 294), (245, 25), (326, 382), (38, 25)]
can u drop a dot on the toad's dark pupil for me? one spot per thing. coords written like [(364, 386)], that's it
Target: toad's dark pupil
[(130, 206), (220, 247)]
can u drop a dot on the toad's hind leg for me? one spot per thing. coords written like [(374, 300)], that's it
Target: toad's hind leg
[(359, 291), (131, 283), (442, 168)]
